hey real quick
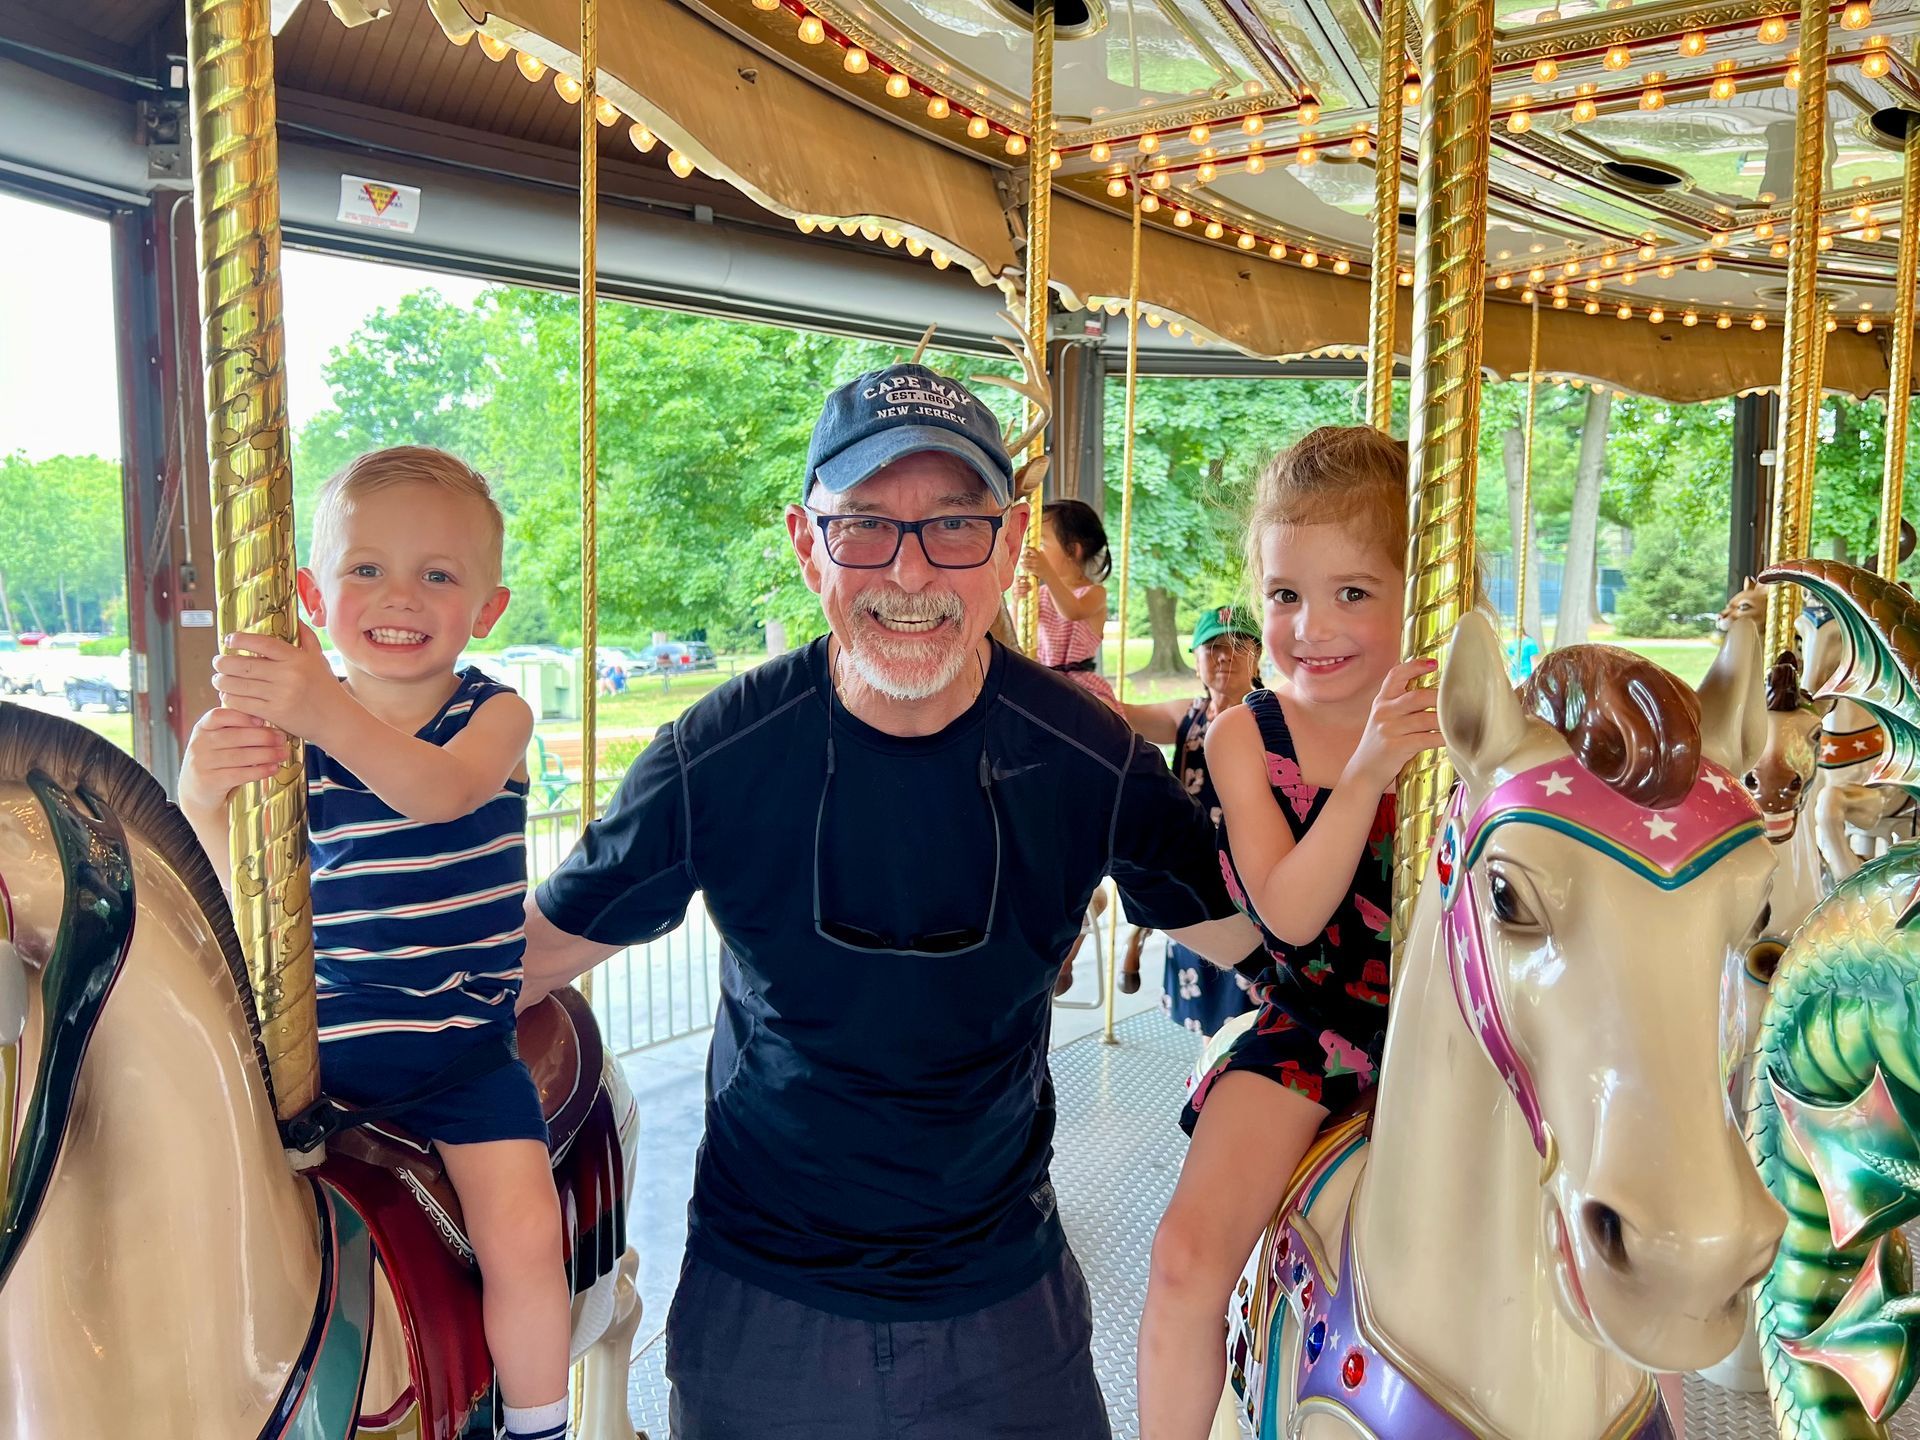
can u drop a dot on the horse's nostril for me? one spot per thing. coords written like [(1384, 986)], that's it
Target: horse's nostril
[(1793, 785), (1605, 1230), (1753, 780)]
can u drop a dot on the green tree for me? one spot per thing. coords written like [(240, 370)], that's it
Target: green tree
[(62, 551), (1675, 582)]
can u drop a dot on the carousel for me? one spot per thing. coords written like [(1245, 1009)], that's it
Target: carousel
[(1591, 1161)]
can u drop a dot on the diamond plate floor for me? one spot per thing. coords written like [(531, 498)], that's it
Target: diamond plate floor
[(1118, 1151)]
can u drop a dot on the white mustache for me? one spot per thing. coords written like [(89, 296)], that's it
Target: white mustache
[(910, 607)]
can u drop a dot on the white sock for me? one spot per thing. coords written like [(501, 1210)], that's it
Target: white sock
[(538, 1422)]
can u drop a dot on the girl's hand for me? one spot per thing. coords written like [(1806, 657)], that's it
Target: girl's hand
[(1034, 562), (1402, 724), (1022, 586), (289, 686), (226, 750)]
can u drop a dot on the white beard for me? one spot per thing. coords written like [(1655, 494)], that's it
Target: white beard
[(902, 667)]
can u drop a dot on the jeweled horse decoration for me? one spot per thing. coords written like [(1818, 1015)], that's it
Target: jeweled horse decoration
[(164, 1272), (1836, 1089), (1555, 1198)]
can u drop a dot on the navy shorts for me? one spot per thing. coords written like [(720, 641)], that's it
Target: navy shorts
[(501, 1104), (746, 1364)]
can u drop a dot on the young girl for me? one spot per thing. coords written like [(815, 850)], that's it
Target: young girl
[(1069, 565), (1305, 777)]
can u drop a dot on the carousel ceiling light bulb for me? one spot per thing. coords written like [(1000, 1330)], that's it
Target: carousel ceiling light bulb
[(1149, 202), (679, 164), (497, 50), (1657, 316), (1307, 155), (1608, 260), (1778, 249), (1625, 312), (1200, 134), (1618, 57), (1763, 231), (1207, 172), (1832, 324), (1718, 240), (606, 112), (1161, 180), (1116, 187), (1342, 265), (1723, 87), (1017, 145), (1559, 292), (1053, 157), (890, 238), (1410, 94), (1863, 212), (1183, 218), (1309, 113), (642, 138), (1723, 322), (1359, 145), (916, 248), (1875, 65), (805, 223), (1593, 283), (531, 66), (1872, 232), (1154, 320), (1647, 252), (1629, 277), (1277, 251), (567, 88), (1537, 274), (1592, 307), (811, 31), (1825, 242), (1256, 164), (1653, 98), (1519, 122), (869, 230), (1864, 326), (1310, 258), (1215, 230), (1559, 302), (1759, 322), (1666, 270), (1572, 267), (1246, 242), (1705, 262), (1792, 81), (940, 259), (854, 62), (978, 128), (766, 4), (1856, 15), (1545, 71), (1149, 143), (938, 108), (1100, 153), (1689, 319), (1773, 30), (1176, 329), (1253, 125), (1693, 44), (1406, 278), (1526, 297), (1583, 111)]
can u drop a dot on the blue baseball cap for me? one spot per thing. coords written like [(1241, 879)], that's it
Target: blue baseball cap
[(886, 415)]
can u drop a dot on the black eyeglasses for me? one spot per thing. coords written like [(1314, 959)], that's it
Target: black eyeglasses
[(938, 944), (870, 542)]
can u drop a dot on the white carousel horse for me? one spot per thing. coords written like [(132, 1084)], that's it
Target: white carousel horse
[(1555, 1198), (163, 1270)]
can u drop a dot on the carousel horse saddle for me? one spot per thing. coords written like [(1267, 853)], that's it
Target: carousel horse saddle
[(559, 1042)]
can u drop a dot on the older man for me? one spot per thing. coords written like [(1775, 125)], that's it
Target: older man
[(898, 829)]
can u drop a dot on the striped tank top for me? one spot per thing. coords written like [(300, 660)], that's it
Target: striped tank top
[(417, 927)]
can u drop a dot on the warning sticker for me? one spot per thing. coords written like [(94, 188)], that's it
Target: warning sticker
[(379, 204)]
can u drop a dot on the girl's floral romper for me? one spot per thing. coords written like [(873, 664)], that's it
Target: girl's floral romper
[(1323, 1006)]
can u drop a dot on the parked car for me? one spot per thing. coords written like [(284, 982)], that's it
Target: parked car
[(14, 677), (85, 690), (520, 654), (676, 656), (31, 638)]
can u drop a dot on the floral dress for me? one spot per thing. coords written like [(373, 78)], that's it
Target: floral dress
[(1323, 1005), (1199, 995)]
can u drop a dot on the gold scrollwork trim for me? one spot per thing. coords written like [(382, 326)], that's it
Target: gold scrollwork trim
[(1629, 27)]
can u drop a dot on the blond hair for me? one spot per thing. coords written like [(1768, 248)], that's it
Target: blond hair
[(402, 465), (1350, 475)]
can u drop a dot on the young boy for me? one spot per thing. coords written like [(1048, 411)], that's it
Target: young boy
[(417, 786)]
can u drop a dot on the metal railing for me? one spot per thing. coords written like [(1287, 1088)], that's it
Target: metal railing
[(651, 993)]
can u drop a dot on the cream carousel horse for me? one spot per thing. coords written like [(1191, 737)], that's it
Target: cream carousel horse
[(164, 1272), (1555, 1198), (1853, 818)]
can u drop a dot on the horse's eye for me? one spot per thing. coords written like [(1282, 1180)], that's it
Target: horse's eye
[(1508, 907)]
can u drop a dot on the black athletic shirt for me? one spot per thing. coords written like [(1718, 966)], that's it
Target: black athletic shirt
[(879, 1124)]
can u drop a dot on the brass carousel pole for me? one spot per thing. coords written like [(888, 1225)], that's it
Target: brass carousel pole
[(1522, 543), (589, 425), (1444, 430), (1900, 364), (1039, 235), (1126, 552), (236, 174), (1383, 281), (1805, 336)]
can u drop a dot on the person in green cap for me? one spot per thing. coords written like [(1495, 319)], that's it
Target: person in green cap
[(1226, 646)]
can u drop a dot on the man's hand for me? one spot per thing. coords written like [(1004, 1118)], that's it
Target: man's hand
[(289, 686)]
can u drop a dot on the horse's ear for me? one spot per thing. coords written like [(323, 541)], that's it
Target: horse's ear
[(1479, 713), (1733, 702)]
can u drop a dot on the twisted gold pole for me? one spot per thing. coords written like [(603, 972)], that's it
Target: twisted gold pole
[(237, 201), (589, 424), (1039, 237), (1805, 330), (1449, 274), (1383, 282), (1523, 542), (1126, 549), (1893, 480)]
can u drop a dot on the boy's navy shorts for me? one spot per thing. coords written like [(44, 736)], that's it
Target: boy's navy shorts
[(746, 1364), (502, 1104)]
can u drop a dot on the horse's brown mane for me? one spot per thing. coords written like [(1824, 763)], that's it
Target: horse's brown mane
[(1629, 722), (1784, 694), (74, 756)]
